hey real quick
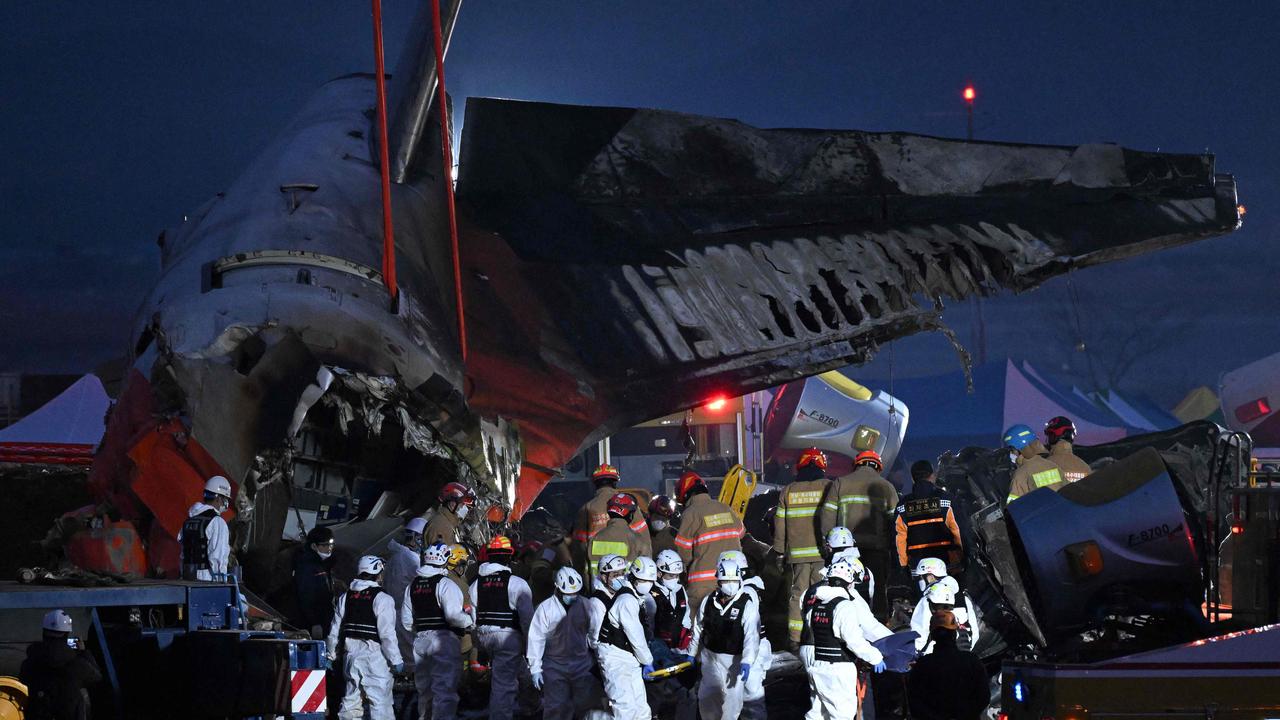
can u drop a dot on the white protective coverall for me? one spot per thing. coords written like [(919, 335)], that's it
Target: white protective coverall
[(753, 692), (558, 649), (854, 554), (833, 685), (505, 646), (219, 537), (402, 566), (367, 663), (623, 680), (721, 691), (923, 614), (437, 668), (669, 692)]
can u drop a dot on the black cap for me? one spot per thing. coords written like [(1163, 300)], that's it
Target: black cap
[(319, 536), (921, 470)]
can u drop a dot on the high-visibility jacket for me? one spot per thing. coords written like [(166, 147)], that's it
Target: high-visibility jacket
[(707, 528), (594, 515), (1034, 473), (864, 502), (926, 527), (1072, 467), (615, 538), (795, 526)]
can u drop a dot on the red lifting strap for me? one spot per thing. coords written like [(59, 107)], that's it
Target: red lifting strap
[(388, 234), (446, 157)]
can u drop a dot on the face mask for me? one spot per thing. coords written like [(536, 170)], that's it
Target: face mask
[(462, 511), (671, 583), (324, 554), (658, 524), (643, 586), (568, 599), (1013, 456), (616, 584), (731, 588)]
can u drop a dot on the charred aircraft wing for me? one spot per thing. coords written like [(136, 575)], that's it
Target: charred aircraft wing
[(620, 264)]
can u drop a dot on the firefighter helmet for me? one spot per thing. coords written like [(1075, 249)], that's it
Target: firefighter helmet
[(621, 505), (1060, 428), (1019, 436), (499, 548), (437, 555), (370, 565), (605, 474), (812, 455), (457, 492), (458, 556), (869, 457), (688, 482), (663, 507)]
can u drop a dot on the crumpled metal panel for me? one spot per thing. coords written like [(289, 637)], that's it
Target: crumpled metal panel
[(655, 258)]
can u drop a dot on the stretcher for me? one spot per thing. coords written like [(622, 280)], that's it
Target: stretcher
[(739, 486), (669, 671)]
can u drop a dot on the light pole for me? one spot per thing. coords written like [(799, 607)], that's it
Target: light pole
[(969, 96), (979, 322)]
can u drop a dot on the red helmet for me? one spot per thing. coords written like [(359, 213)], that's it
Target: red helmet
[(499, 547), (869, 457), (606, 473), (814, 456), (688, 482), (1060, 428), (457, 492), (663, 506), (621, 505)]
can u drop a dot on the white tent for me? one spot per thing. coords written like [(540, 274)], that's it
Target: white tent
[(65, 431)]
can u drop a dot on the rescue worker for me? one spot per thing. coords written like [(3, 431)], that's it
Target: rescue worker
[(864, 502), (594, 515), (58, 673), (504, 609), (669, 623), (795, 531), (662, 532), (1034, 469), (617, 537), (537, 566), (459, 564), (314, 587), (456, 502), (945, 594), (707, 528), (949, 683), (364, 635), (1060, 434), (436, 614), (926, 525), (841, 544), (620, 644), (205, 538), (836, 622), (753, 706), (559, 655), (404, 557), (726, 641)]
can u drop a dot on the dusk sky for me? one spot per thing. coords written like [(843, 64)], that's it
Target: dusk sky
[(119, 117)]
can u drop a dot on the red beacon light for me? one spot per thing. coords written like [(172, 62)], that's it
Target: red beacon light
[(970, 94), (717, 403)]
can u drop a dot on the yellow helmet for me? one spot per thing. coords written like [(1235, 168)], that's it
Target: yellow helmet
[(458, 556)]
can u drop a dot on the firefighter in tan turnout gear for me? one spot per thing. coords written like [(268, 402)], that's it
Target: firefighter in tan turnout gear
[(456, 502), (707, 528), (864, 502), (1060, 433), (795, 531), (617, 537), (1034, 469), (594, 515)]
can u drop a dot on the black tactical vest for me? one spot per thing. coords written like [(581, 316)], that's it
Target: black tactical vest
[(826, 646), (358, 619), (722, 630), (195, 543), (493, 604), (611, 634), (427, 613), (668, 621), (927, 531)]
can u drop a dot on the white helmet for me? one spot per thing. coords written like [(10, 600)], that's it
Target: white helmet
[(859, 570), (942, 592), (568, 581), (437, 555), (737, 557), (930, 566), (218, 485), (840, 537), (370, 565), (416, 525), (611, 563), (643, 568), (842, 569), (728, 571), (57, 621), (669, 562)]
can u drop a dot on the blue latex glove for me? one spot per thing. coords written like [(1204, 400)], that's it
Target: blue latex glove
[(397, 668), (879, 667), (685, 658), (537, 680), (746, 670), (646, 671)]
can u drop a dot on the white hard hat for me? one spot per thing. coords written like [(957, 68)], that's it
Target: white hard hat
[(611, 563), (370, 565), (940, 593), (728, 570), (669, 562), (842, 569), (416, 525), (950, 583), (859, 570), (568, 581), (840, 537), (737, 557), (930, 566), (57, 621), (642, 568), (218, 485), (437, 555)]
